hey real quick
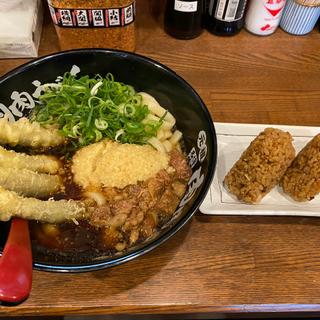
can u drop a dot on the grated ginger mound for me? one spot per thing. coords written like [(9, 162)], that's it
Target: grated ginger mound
[(112, 164)]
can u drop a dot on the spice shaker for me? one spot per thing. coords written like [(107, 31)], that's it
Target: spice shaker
[(94, 23), (300, 16), (183, 19), (225, 17), (263, 16)]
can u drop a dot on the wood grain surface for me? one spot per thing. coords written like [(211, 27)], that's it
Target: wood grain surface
[(215, 265)]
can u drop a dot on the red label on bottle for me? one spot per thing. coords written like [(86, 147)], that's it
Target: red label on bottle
[(274, 7)]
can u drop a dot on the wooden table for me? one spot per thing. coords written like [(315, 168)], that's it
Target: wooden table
[(216, 265)]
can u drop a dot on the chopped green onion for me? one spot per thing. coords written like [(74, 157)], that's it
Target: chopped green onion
[(88, 109), (118, 134), (129, 110), (98, 135), (95, 88), (101, 124)]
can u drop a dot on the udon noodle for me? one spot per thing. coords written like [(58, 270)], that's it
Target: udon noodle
[(94, 182)]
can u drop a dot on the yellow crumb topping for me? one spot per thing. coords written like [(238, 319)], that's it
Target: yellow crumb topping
[(111, 164)]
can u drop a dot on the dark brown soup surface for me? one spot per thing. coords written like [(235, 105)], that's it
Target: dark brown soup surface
[(119, 218)]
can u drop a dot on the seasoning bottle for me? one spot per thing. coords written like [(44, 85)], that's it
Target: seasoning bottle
[(183, 19), (263, 16), (94, 23), (300, 16), (225, 17)]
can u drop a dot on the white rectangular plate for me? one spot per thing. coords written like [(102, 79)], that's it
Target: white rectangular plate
[(233, 139)]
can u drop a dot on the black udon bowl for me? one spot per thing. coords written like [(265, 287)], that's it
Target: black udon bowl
[(193, 119)]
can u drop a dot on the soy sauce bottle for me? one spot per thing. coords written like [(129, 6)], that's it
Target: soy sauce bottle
[(183, 19), (225, 17)]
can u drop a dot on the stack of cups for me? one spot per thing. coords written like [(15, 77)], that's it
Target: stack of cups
[(300, 16)]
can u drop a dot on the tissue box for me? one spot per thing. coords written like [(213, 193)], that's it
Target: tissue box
[(20, 29)]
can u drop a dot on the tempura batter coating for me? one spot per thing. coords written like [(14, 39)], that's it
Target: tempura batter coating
[(261, 165), (29, 134), (302, 179), (29, 183), (38, 163), (13, 205)]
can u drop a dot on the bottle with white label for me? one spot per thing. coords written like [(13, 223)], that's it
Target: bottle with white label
[(263, 16), (183, 19), (225, 17)]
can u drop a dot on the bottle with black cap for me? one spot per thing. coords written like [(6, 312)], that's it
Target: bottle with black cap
[(225, 17), (183, 19)]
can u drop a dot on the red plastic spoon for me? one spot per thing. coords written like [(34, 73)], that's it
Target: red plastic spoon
[(16, 264)]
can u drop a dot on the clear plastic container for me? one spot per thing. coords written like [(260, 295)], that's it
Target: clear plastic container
[(20, 28), (94, 23)]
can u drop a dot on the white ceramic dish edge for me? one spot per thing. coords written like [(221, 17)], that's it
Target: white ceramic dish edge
[(233, 138)]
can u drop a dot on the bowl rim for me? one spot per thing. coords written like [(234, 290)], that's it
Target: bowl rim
[(93, 266)]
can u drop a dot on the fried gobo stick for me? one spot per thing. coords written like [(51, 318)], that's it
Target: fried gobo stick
[(13, 205), (28, 134), (37, 163), (29, 183)]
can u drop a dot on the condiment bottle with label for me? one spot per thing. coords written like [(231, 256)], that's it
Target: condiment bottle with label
[(94, 23), (183, 19), (263, 16), (225, 17)]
